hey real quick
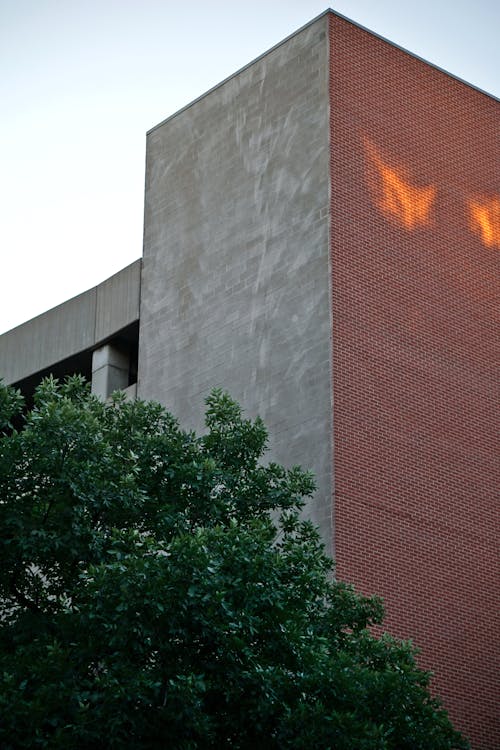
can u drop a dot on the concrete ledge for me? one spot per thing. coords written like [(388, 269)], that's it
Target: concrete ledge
[(79, 324)]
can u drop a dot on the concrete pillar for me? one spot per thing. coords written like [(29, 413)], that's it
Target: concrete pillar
[(110, 368)]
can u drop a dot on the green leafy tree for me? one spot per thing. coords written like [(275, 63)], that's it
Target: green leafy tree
[(160, 590)]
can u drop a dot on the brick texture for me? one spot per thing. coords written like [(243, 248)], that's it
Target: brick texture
[(415, 355)]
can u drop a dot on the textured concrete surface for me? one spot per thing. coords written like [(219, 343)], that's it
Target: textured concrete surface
[(78, 324), (117, 301), (235, 286), (110, 368)]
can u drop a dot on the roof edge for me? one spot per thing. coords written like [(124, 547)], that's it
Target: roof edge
[(328, 11), (240, 70), (414, 55)]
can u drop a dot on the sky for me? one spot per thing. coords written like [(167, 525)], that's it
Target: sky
[(82, 81)]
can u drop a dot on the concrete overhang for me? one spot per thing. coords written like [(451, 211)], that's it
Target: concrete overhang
[(79, 324)]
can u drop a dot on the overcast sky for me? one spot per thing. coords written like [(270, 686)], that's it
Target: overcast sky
[(83, 80)]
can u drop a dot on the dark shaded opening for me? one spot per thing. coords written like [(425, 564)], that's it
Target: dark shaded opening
[(127, 340)]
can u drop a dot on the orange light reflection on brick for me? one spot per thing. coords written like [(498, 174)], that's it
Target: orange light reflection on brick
[(484, 220), (400, 201)]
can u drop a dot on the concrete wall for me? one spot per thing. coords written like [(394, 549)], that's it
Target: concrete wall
[(235, 286), (78, 324)]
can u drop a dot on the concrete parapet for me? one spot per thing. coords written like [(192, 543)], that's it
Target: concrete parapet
[(79, 324)]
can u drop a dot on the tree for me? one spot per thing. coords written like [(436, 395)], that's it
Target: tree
[(159, 589)]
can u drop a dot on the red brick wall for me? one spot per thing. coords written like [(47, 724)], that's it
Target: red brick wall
[(415, 344)]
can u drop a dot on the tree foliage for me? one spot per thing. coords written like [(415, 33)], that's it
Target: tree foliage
[(160, 589)]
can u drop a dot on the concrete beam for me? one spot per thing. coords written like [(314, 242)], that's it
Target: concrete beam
[(79, 324)]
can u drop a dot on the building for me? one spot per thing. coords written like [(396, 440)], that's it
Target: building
[(321, 239)]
